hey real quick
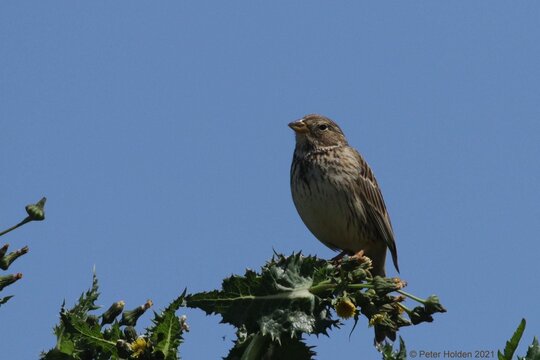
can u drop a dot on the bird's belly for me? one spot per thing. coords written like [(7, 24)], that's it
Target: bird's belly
[(335, 218)]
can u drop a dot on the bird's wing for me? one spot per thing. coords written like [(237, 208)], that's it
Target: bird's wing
[(371, 196)]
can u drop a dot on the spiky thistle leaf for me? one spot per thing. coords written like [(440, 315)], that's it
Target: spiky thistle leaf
[(512, 344), (167, 329), (257, 346), (277, 301), (388, 352), (533, 352)]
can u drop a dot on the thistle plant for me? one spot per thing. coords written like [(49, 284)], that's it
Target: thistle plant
[(273, 310), (35, 212), (81, 336), (295, 296)]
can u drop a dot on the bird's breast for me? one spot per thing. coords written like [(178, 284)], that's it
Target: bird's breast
[(324, 200)]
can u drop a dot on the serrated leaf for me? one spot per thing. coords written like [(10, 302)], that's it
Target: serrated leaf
[(266, 301), (533, 352), (87, 300), (90, 336), (167, 337), (56, 354), (65, 337), (166, 333), (512, 344), (388, 352), (284, 321), (257, 347)]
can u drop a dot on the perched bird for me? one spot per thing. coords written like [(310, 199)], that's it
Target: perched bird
[(336, 194)]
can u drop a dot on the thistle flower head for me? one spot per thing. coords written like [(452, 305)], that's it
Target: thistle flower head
[(139, 346), (345, 308)]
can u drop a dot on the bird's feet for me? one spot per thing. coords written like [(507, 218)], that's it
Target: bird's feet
[(337, 259), (358, 256)]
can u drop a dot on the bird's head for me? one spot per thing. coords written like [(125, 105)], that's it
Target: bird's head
[(317, 132)]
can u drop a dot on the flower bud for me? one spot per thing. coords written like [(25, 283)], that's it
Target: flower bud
[(130, 334), (3, 250), (383, 286), (92, 320), (419, 315), (124, 349), (114, 310), (399, 283), (183, 323), (36, 211), (433, 305), (129, 318), (9, 279), (6, 260)]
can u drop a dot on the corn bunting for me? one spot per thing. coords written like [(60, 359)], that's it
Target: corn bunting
[(336, 194)]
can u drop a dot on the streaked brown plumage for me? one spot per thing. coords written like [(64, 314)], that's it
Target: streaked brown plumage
[(336, 194)]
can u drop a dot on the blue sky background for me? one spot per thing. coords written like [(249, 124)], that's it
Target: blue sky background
[(158, 132)]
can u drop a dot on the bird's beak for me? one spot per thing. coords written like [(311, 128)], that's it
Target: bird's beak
[(299, 127)]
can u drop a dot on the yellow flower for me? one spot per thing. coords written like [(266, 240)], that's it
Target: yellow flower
[(138, 346), (345, 308)]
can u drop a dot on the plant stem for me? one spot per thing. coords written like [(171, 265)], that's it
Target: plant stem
[(327, 285), (27, 220), (406, 309), (421, 301), (322, 287), (360, 286)]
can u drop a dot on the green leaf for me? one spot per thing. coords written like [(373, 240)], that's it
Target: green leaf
[(271, 301), (533, 352), (388, 352), (166, 332), (56, 354), (5, 299), (67, 347), (66, 332), (90, 336), (512, 344), (87, 300), (257, 346)]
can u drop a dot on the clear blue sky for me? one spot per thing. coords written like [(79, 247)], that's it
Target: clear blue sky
[(158, 131)]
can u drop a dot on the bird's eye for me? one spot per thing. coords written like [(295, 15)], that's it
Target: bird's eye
[(323, 127)]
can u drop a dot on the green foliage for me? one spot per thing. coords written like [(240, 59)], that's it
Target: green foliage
[(257, 346), (80, 336), (533, 352), (388, 352), (5, 299), (512, 344), (295, 296), (276, 302), (166, 331)]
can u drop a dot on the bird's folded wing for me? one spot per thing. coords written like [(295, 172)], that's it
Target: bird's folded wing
[(375, 208)]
